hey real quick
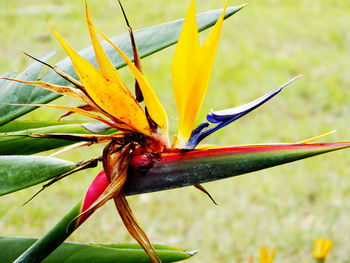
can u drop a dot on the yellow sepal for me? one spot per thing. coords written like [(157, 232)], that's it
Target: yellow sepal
[(191, 70), (185, 61)]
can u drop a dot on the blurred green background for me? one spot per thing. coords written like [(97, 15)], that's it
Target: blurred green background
[(261, 47)]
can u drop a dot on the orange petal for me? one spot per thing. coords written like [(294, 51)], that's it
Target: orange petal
[(106, 67), (109, 95), (153, 104)]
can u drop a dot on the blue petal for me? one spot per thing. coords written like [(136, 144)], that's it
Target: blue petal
[(225, 117), (195, 135), (233, 113)]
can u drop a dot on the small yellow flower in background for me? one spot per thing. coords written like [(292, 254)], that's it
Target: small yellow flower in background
[(321, 248), (265, 257)]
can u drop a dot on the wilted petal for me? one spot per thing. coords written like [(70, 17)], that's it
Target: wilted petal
[(72, 92)]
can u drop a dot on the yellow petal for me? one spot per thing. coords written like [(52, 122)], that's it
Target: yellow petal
[(154, 107), (107, 94), (265, 257), (185, 60), (321, 248), (190, 88)]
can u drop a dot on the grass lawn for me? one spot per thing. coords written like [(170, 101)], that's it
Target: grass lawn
[(262, 46)]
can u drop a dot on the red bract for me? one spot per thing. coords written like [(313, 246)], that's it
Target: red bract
[(94, 191)]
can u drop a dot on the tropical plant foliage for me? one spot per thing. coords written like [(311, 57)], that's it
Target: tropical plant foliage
[(139, 156)]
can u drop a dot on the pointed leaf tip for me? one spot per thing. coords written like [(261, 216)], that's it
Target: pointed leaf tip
[(192, 253)]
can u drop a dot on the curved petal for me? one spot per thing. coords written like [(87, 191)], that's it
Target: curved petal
[(153, 104)]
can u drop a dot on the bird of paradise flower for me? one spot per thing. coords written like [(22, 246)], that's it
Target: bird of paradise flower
[(142, 140)]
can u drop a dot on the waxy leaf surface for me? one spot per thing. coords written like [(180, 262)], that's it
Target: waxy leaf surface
[(26, 125), (18, 172), (15, 143), (15, 92), (12, 247)]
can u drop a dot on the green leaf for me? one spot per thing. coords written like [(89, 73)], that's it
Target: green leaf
[(12, 247), (163, 35), (179, 169), (18, 172), (52, 240), (20, 93), (13, 143), (137, 246), (26, 125)]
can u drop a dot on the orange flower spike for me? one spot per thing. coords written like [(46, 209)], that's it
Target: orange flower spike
[(108, 94), (191, 70)]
